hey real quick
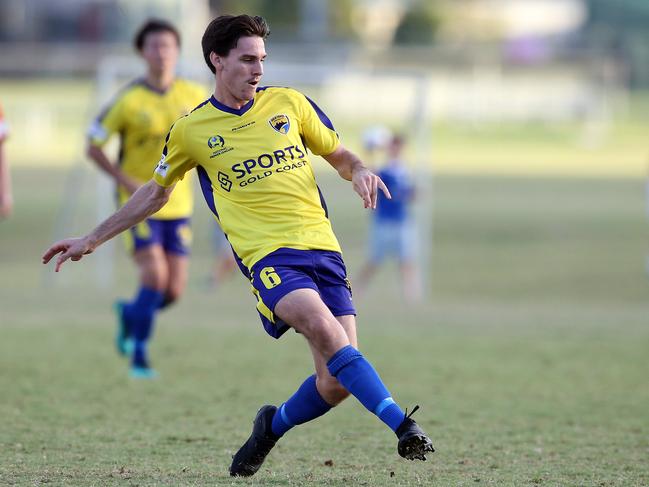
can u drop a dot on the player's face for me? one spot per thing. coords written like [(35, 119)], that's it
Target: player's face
[(160, 51), (241, 70)]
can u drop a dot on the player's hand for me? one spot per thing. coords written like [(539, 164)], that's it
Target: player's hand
[(367, 184), (70, 248)]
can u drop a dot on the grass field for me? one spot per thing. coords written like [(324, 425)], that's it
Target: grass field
[(529, 360)]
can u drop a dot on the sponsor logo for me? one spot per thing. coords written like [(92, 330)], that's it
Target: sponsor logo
[(244, 126), (224, 181), (216, 141), (265, 165), (280, 123)]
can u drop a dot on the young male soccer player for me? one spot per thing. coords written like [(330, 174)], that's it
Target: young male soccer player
[(142, 114), (249, 145)]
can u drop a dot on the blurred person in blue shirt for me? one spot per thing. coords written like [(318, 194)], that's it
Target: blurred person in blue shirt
[(393, 232)]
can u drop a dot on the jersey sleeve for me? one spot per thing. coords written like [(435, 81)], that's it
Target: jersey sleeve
[(109, 122), (174, 162), (316, 128)]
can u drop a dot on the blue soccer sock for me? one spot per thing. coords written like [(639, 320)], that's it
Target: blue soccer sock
[(306, 404), (140, 315), (359, 377)]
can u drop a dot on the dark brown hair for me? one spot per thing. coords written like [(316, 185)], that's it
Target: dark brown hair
[(223, 33), (151, 26)]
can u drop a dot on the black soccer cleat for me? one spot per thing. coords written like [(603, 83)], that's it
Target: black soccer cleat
[(413, 442), (252, 454)]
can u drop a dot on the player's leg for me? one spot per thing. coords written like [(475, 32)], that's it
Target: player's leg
[(178, 268), (340, 369), (350, 368), (144, 242), (318, 393), (140, 312), (407, 253), (176, 238), (305, 311)]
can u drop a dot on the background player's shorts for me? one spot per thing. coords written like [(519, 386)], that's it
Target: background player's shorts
[(286, 270), (174, 236), (393, 238)]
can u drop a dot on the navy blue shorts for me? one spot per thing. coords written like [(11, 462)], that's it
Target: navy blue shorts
[(286, 270), (174, 236)]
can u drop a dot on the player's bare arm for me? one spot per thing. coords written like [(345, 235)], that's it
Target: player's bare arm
[(364, 181), (145, 202), (100, 158)]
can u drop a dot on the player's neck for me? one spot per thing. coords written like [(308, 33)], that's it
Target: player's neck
[(227, 99), (160, 81)]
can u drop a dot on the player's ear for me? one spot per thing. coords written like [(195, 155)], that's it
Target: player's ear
[(215, 59)]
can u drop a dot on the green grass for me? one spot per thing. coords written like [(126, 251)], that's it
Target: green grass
[(528, 360)]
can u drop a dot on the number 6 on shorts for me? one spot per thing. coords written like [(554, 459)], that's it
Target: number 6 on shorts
[(269, 277)]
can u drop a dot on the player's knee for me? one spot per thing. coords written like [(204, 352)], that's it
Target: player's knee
[(320, 327), (332, 391)]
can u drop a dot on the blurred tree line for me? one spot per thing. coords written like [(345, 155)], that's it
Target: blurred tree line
[(417, 20), (622, 28)]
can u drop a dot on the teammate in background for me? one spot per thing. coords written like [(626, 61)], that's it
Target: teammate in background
[(6, 198), (141, 114), (249, 145), (224, 263), (393, 230)]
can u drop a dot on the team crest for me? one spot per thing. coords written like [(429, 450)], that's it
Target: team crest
[(280, 123), (215, 141)]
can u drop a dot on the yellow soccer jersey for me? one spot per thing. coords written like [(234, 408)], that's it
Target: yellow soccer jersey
[(142, 115), (254, 170)]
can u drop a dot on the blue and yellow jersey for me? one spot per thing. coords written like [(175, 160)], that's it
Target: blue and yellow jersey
[(254, 170), (142, 116)]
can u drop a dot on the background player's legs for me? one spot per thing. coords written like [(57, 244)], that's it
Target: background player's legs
[(140, 312), (410, 287), (364, 277), (378, 246), (304, 310), (408, 268), (177, 266)]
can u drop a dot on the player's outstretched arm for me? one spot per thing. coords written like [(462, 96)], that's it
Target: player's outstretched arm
[(144, 202), (364, 181)]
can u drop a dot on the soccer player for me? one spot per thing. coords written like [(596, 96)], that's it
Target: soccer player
[(393, 231), (6, 199), (249, 145), (141, 114)]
